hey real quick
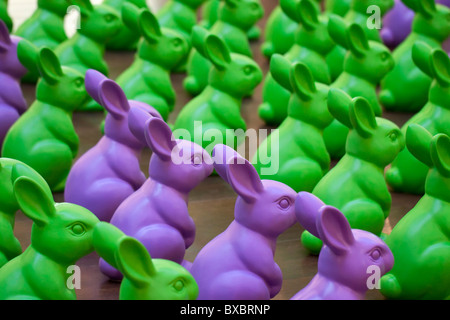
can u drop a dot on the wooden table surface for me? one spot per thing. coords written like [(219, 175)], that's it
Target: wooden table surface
[(211, 204)]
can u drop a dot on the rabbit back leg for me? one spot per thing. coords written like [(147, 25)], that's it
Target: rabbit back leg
[(335, 137), (273, 110), (235, 285), (365, 214), (163, 242), (8, 116), (113, 189)]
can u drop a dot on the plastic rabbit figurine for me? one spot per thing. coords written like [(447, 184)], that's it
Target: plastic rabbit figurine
[(366, 64), (356, 185), (302, 156), (236, 17), (180, 16), (157, 214), (239, 263), (161, 50), (85, 50), (144, 278), (347, 256), (312, 46), (218, 107), (430, 25), (420, 240), (11, 169), (359, 14), (397, 23), (110, 169), (126, 39), (12, 101), (44, 136), (61, 235), (44, 28), (407, 173), (4, 16)]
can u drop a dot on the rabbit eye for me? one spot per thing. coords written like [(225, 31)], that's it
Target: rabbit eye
[(176, 42), (393, 136), (384, 56), (248, 70), (79, 82), (78, 229), (109, 18), (375, 254), (178, 285), (284, 203)]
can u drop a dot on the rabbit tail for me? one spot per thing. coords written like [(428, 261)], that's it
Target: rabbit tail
[(267, 49), (191, 85), (389, 286)]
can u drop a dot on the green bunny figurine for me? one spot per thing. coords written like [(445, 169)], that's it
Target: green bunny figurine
[(181, 16), (359, 14), (420, 241), (365, 65), (4, 14), (302, 158), (406, 87), (407, 173), (44, 28), (217, 110), (144, 278), (85, 50), (125, 39), (148, 78), (10, 169), (44, 136), (356, 185), (61, 234), (311, 47), (236, 17)]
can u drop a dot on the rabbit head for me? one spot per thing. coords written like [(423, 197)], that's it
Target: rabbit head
[(434, 152), (111, 96), (144, 278), (162, 46), (61, 231), (431, 19), (264, 206), (235, 74), (59, 86), (180, 164), (367, 59), (241, 13), (361, 6), (100, 22), (436, 64), (373, 139), (58, 7), (347, 253), (313, 30), (10, 63), (308, 98)]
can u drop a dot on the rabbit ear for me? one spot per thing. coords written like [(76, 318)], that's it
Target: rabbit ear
[(105, 239), (217, 52), (334, 230), (5, 39), (134, 262), (290, 8), (357, 40), (198, 39), (85, 7), (440, 63), (92, 82), (244, 179), (34, 200), (362, 117), (49, 66), (22, 170), (337, 28), (232, 3), (308, 14), (307, 209), (280, 69), (440, 154), (149, 26), (113, 99), (421, 55), (303, 81), (137, 119), (130, 16), (159, 138), (418, 142), (338, 105), (222, 155), (27, 54), (426, 7)]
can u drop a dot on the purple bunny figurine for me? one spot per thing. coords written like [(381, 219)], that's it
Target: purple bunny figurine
[(239, 263), (351, 262), (110, 170), (157, 214), (397, 24), (12, 102)]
